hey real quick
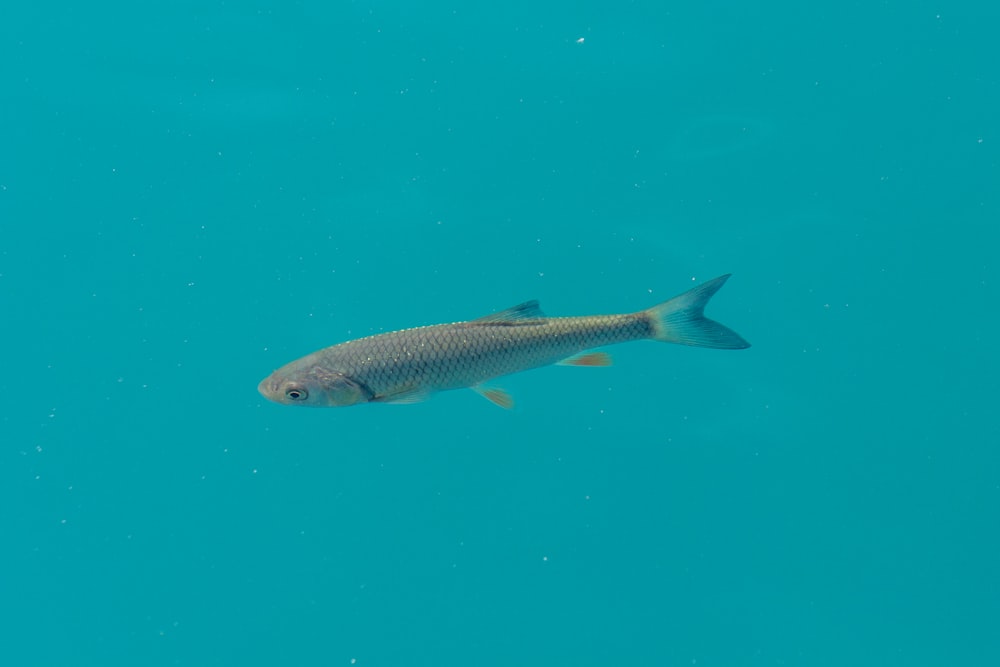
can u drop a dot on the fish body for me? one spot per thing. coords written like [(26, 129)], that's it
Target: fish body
[(409, 365)]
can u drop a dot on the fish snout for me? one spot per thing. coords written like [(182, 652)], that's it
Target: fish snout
[(266, 388)]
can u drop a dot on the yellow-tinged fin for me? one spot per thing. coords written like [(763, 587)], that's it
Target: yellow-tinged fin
[(587, 359), (497, 396), (681, 320), (529, 310)]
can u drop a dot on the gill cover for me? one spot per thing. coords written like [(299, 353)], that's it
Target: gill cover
[(342, 390)]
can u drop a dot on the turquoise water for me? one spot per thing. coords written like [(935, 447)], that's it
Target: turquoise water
[(193, 193)]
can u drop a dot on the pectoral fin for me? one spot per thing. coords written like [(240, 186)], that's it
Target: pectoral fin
[(406, 395)]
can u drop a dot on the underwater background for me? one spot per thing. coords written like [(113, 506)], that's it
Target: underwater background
[(195, 193)]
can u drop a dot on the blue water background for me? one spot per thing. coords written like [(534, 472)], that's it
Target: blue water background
[(193, 193)]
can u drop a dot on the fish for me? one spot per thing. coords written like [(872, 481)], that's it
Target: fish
[(410, 365)]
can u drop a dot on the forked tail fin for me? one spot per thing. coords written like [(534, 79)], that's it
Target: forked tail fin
[(681, 320)]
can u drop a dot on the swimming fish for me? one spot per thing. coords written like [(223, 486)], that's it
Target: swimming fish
[(409, 365)]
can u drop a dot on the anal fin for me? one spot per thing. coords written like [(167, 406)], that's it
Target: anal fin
[(587, 359)]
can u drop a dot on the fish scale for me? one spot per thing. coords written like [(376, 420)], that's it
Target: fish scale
[(408, 365), (464, 354)]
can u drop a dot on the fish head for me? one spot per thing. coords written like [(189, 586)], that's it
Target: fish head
[(313, 387)]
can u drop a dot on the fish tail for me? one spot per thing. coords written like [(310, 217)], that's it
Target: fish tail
[(681, 320)]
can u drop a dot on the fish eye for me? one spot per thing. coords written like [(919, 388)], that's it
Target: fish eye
[(296, 393)]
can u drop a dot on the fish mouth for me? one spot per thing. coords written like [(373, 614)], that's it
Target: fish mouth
[(266, 388)]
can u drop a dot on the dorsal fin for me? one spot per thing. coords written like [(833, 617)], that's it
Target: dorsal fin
[(529, 310)]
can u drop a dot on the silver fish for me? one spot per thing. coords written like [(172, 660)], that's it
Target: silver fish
[(407, 366)]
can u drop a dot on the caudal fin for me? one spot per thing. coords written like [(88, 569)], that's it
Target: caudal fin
[(681, 320)]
